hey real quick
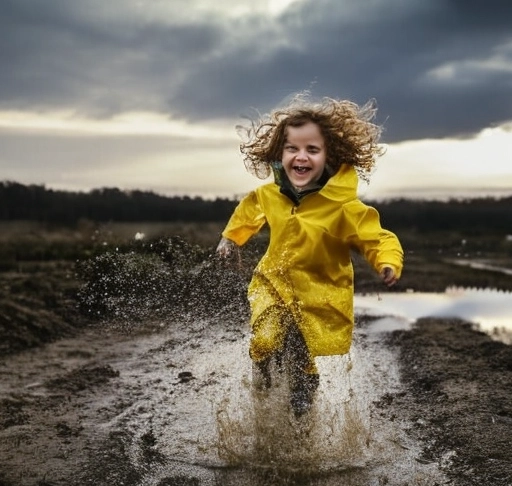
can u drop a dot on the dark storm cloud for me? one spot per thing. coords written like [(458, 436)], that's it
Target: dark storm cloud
[(426, 63), (385, 54), (60, 58)]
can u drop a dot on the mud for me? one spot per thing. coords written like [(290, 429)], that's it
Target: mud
[(167, 400), (174, 407), (458, 400)]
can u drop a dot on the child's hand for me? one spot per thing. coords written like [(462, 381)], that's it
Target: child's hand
[(225, 248), (388, 276)]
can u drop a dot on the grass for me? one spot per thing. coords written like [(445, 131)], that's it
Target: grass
[(26, 245)]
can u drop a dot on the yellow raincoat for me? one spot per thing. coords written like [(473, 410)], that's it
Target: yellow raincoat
[(307, 271)]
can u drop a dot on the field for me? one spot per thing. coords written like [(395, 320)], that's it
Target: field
[(100, 326)]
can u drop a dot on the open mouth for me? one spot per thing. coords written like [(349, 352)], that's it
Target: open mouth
[(301, 170)]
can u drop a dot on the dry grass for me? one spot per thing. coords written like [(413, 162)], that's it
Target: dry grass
[(90, 231)]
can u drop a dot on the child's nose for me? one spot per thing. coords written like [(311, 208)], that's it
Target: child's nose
[(302, 155)]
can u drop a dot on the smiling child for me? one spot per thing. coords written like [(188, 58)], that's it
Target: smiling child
[(301, 293)]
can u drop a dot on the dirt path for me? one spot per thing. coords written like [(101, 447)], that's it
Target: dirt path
[(175, 407), (459, 399)]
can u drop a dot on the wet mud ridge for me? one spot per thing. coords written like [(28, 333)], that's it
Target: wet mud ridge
[(173, 406), (459, 399)]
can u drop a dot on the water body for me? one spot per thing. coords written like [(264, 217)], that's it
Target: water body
[(489, 309), (482, 265)]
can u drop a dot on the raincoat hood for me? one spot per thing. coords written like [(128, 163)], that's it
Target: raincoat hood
[(342, 186)]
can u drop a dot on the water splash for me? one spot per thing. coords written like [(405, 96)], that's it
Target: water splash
[(341, 441), (152, 280), (258, 431)]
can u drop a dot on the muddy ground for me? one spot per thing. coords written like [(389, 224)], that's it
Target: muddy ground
[(110, 402), (459, 398)]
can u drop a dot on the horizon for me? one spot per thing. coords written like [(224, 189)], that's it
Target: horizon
[(425, 195)]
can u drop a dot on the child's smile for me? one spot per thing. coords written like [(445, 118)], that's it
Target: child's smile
[(301, 170), (304, 155)]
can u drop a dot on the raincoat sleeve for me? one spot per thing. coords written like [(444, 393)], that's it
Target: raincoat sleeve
[(380, 247), (247, 219)]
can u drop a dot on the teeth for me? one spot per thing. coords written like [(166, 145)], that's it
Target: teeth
[(302, 169)]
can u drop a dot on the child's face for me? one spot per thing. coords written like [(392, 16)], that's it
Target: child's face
[(304, 155)]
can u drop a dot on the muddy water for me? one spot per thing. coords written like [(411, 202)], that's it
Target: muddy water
[(177, 407), (344, 440)]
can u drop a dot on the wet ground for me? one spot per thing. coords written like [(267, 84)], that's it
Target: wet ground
[(458, 399), (166, 408), (174, 407), (168, 402)]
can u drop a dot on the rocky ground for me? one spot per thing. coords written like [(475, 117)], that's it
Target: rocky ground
[(83, 402)]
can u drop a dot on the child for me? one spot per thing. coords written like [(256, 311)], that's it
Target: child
[(301, 293)]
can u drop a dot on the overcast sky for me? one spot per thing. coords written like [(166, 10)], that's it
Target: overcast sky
[(145, 94)]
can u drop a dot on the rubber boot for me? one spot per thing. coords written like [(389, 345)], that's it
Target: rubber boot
[(303, 385)]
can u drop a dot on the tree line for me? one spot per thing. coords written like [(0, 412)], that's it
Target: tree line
[(38, 203), (473, 216)]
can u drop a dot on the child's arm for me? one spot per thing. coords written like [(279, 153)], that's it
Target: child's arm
[(247, 219), (380, 247)]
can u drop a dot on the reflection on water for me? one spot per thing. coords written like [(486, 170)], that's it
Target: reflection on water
[(490, 309), (481, 266)]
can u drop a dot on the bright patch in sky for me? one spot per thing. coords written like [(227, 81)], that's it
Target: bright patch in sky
[(472, 70), (140, 124), (478, 164), (278, 6), (149, 151), (246, 7)]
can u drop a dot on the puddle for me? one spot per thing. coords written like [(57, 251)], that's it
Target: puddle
[(216, 430), (489, 309), (180, 409), (480, 266)]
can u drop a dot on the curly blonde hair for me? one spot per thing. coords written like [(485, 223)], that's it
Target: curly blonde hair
[(349, 134)]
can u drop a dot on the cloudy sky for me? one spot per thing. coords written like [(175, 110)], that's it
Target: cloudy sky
[(145, 94)]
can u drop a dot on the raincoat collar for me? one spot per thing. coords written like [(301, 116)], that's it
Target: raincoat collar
[(339, 187), (342, 186), (286, 187)]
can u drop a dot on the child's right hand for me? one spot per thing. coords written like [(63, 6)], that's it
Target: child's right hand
[(388, 276), (225, 248)]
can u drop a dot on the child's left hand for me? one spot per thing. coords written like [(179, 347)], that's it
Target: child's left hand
[(388, 276)]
